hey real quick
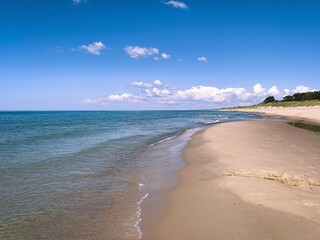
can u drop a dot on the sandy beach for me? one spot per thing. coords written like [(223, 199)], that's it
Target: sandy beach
[(311, 113), (247, 180)]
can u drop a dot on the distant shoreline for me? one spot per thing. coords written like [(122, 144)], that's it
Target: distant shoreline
[(311, 113)]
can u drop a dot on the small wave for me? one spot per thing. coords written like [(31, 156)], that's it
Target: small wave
[(212, 122), (168, 138)]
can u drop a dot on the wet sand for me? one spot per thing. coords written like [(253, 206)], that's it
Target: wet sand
[(247, 180)]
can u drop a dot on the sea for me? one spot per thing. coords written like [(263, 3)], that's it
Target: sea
[(86, 174)]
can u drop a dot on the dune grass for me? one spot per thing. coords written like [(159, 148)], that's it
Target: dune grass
[(281, 104), (290, 104)]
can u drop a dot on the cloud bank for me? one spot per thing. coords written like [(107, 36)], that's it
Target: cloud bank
[(141, 84), (157, 93)]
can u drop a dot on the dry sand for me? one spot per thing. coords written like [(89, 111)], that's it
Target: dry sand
[(247, 180), (309, 113)]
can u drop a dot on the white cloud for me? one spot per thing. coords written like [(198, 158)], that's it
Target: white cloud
[(157, 93), (287, 92), (93, 48), (157, 83), (301, 89), (141, 84), (259, 91), (121, 97), (274, 91), (177, 4), (165, 56), (202, 59), (298, 89), (140, 52), (162, 56), (208, 94)]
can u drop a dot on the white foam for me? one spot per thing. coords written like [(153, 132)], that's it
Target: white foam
[(139, 210), (163, 140), (212, 122)]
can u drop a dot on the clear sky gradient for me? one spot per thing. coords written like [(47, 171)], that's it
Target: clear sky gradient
[(107, 54)]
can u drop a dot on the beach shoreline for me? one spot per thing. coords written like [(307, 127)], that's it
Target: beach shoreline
[(310, 113), (227, 192)]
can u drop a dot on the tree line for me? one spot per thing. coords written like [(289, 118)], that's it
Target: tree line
[(296, 97)]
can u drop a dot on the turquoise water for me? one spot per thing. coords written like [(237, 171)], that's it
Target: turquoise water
[(79, 175)]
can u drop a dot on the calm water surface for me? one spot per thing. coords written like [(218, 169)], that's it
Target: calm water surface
[(81, 175)]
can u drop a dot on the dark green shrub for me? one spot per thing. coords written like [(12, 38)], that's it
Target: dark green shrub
[(288, 98), (303, 96), (269, 99)]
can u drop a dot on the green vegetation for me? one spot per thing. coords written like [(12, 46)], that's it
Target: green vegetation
[(281, 104), (296, 100), (307, 103), (269, 99), (303, 96)]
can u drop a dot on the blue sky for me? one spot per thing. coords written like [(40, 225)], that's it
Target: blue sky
[(155, 54)]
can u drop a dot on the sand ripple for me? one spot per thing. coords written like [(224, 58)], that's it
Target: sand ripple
[(290, 179)]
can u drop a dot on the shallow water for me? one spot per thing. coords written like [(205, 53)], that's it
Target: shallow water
[(80, 175)]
